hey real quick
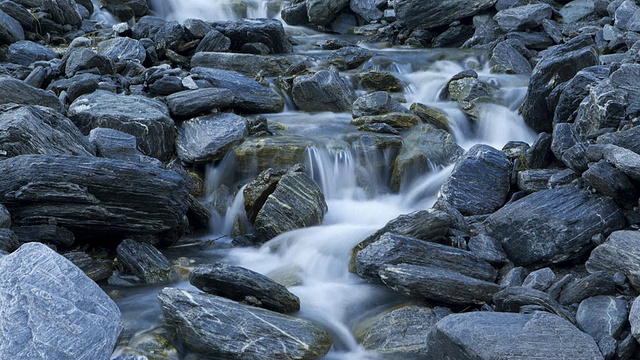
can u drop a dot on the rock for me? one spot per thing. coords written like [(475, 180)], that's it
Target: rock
[(506, 59), (19, 13), (577, 10), (297, 202), (564, 137), (454, 36), (114, 144), (540, 279), (95, 269), (121, 49), (479, 183), (146, 119), (493, 335), (323, 12), (367, 9), (576, 90), (249, 95), (518, 298), (10, 29), (18, 92), (258, 154), (514, 277), (567, 218), (626, 139), (243, 285), (432, 116), (396, 120), (63, 11), (598, 283), (92, 196), (214, 41), (39, 130), (52, 309), (433, 13), (575, 157), (257, 191), (379, 81), (535, 180), (8, 240), (246, 64), (208, 138), (392, 249), (634, 318), (375, 103), (623, 159), (59, 237), (602, 316), (209, 325), (623, 13), (540, 156), (610, 181), (145, 262), (487, 248), (557, 65), (523, 17), (349, 57), (617, 254), (86, 59), (604, 107), (624, 79), (5, 217), (295, 14), (267, 31), (187, 103), (469, 92), (27, 52), (322, 91)]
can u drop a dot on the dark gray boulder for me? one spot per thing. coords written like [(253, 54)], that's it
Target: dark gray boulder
[(39, 130), (479, 183), (536, 179), (520, 298), (295, 14), (625, 78), (95, 269), (208, 138), (375, 103), (349, 57), (602, 316), (243, 285), (247, 64), (540, 279), (494, 335), (27, 52), (145, 261), (433, 13), (610, 181), (187, 103), (524, 17), (92, 196), (575, 91), (63, 12), (84, 59), (487, 248), (634, 318), (267, 31), (565, 220), (18, 92), (257, 191), (52, 309), (598, 283), (215, 41), (218, 327), (564, 137), (627, 139), (577, 10), (5, 217), (602, 108), (10, 29), (623, 159), (114, 144), (623, 12), (322, 91), (506, 59), (367, 9), (323, 12), (146, 119), (122, 49), (618, 254)]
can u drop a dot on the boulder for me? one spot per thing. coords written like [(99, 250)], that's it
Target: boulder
[(51, 309), (367, 9), (524, 17), (577, 10), (602, 108), (625, 78), (610, 181), (5, 217), (349, 57), (479, 183), (39, 130), (247, 64), (243, 285), (433, 13), (27, 52), (208, 138), (145, 261), (634, 318), (266, 31), (322, 91), (95, 269), (487, 248), (8, 240), (257, 191), (188, 103), (540, 279), (10, 29), (63, 12), (86, 59), (506, 59), (469, 92), (19, 13), (92, 196), (122, 49), (377, 80), (564, 137), (395, 120), (323, 12), (295, 14), (602, 316), (114, 144), (520, 299), (257, 154), (18, 92), (575, 90), (494, 335), (617, 254), (598, 283), (146, 119), (58, 237), (623, 159), (215, 41), (565, 220), (432, 116), (627, 139), (376, 103), (222, 328)]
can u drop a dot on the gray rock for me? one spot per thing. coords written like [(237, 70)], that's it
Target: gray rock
[(493, 335), (114, 144), (19, 13), (322, 91), (564, 137), (601, 316), (197, 28), (146, 119), (625, 78), (323, 12), (627, 347), (487, 248), (610, 181), (8, 240), (540, 156), (623, 159), (59, 237), (367, 9), (92, 196), (433, 13), (10, 29), (540, 279), (566, 219), (52, 309), (506, 59), (576, 90), (604, 107), (249, 95), (215, 41), (208, 138), (618, 254), (598, 283), (267, 31), (523, 17), (246, 64), (145, 261), (219, 327), (627, 139), (519, 298), (27, 52), (576, 158), (84, 59), (122, 49), (535, 180), (431, 116), (63, 12), (577, 10), (514, 277), (375, 103), (634, 318), (349, 57), (479, 183), (169, 36), (187, 103), (624, 13), (378, 80), (454, 36), (39, 130), (469, 92), (243, 285), (5, 217), (396, 120), (18, 92), (256, 192), (95, 269)]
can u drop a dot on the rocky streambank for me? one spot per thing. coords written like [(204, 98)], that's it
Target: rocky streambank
[(106, 133)]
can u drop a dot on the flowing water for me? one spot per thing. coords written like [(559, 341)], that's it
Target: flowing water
[(317, 258)]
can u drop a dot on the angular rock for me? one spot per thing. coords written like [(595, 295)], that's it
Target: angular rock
[(432, 116), (506, 59), (487, 248), (514, 277), (322, 91), (208, 138), (18, 92), (566, 219), (95, 269), (564, 137), (28, 52), (627, 139), (535, 180), (625, 160), (260, 153), (146, 119), (396, 120), (479, 183), (256, 192), (323, 12), (295, 14), (59, 237), (19, 13), (577, 10), (634, 318), (145, 262), (84, 59), (375, 103), (367, 9), (469, 92), (598, 283), (349, 57), (493, 335), (247, 64), (618, 254), (92, 196), (63, 11), (8, 240), (379, 80), (122, 48), (601, 316), (518, 298), (267, 31), (10, 29), (214, 41), (243, 285), (433, 13), (610, 181), (604, 107), (222, 328), (51, 309), (187, 103), (575, 91), (540, 279), (523, 17), (114, 144)]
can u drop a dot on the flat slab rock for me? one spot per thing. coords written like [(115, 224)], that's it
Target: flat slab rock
[(19, 92), (493, 335), (52, 310), (208, 138), (218, 327)]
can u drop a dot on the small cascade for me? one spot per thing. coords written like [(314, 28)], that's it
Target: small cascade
[(181, 10), (334, 171)]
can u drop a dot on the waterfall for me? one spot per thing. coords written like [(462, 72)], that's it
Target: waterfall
[(181, 10)]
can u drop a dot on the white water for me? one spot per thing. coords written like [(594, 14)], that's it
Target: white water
[(210, 10)]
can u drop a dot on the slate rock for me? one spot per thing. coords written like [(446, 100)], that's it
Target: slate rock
[(617, 254), (247, 64), (92, 196), (52, 309), (514, 277), (367, 9), (634, 318), (243, 285), (610, 181), (506, 59), (523, 17), (623, 159), (63, 12), (494, 335), (121, 49), (215, 41), (601, 316), (540, 279), (322, 91), (627, 139), (27, 52), (324, 12), (267, 31), (208, 138), (564, 137), (147, 119), (95, 269), (145, 261), (19, 13), (487, 248), (350, 57), (576, 158), (295, 14), (375, 103), (379, 80), (396, 120), (469, 92), (625, 78), (187, 103), (10, 29), (604, 107), (85, 59), (535, 180), (257, 191), (114, 144), (598, 283), (577, 10), (431, 116), (18, 92), (575, 91), (59, 237), (623, 13), (566, 219), (518, 298), (39, 130), (433, 13), (219, 327)]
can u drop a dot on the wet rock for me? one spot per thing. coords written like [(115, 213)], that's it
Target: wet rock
[(297, 202), (114, 144), (267, 31), (147, 119), (10, 29), (59, 237), (479, 183), (506, 59), (187, 103), (576, 90), (243, 285), (349, 57), (540, 279), (145, 261), (39, 130), (323, 12), (469, 92), (219, 327), (493, 335), (367, 9), (618, 254), (257, 191), (295, 14), (322, 91), (122, 48), (45, 297), (151, 344), (28, 52), (610, 181), (432, 116), (198, 215), (487, 248), (246, 64), (567, 218), (433, 13), (169, 36), (604, 107), (523, 17), (249, 95), (95, 269), (18, 92), (397, 120), (518, 298), (379, 81), (375, 103), (214, 41), (602, 316), (92, 196), (208, 138), (85, 59), (258, 154), (8, 240)]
